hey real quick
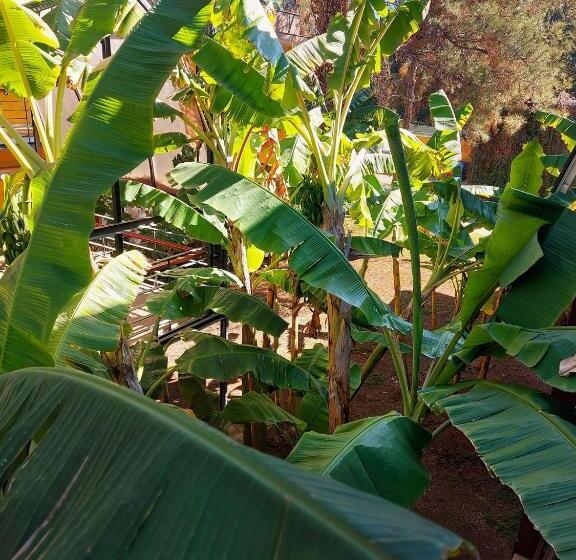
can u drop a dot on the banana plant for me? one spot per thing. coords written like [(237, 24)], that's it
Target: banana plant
[(14, 215), (92, 322), (353, 45), (508, 257)]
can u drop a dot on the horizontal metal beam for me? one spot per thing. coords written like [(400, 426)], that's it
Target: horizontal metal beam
[(198, 324), (112, 229)]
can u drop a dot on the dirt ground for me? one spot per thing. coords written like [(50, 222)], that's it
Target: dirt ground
[(463, 495)]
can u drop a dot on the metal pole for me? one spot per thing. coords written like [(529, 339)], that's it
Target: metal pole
[(223, 386), (117, 212), (152, 169), (106, 47)]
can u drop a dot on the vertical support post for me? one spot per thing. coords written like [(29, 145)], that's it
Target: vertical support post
[(152, 169), (106, 47), (223, 386), (117, 212)]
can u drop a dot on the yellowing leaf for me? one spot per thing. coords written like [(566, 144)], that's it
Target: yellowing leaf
[(255, 257)]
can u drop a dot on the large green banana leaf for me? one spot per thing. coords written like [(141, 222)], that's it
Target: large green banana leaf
[(114, 475), (26, 69), (112, 135), (478, 206), (403, 23), (529, 440), (538, 297), (94, 318), (446, 139), (441, 111), (261, 33), (527, 167), (374, 337), (238, 77), (434, 343), (155, 364), (213, 357), (202, 401), (314, 360), (196, 276), (566, 127), (311, 54), (95, 19), (546, 351), (258, 407), (296, 157), (127, 18), (423, 161), (175, 212), (380, 455), (283, 279), (463, 115), (373, 247), (272, 225), (342, 65), (471, 202), (377, 163), (554, 164), (313, 409), (180, 302), (59, 16), (512, 248), (166, 142)]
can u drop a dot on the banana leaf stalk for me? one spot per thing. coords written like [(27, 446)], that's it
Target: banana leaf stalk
[(392, 128)]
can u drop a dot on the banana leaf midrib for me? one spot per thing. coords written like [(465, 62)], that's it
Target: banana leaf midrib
[(221, 449), (351, 442)]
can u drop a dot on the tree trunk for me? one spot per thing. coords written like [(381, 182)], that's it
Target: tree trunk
[(409, 112), (339, 340), (120, 364), (324, 10), (255, 433), (434, 320), (339, 348), (271, 302)]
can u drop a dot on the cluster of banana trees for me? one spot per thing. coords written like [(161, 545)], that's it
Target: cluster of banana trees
[(87, 465)]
